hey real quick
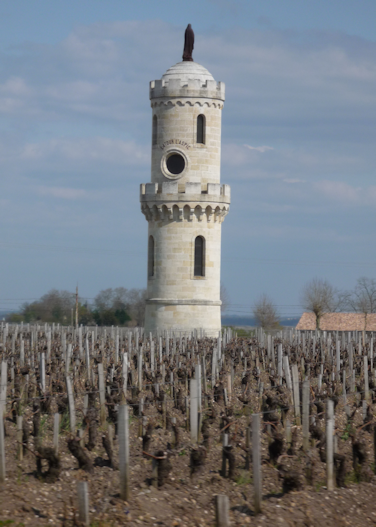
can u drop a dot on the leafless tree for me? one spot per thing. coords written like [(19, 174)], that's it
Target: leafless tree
[(363, 298), (225, 297), (54, 306), (265, 313), (111, 298), (320, 297), (133, 301), (137, 304)]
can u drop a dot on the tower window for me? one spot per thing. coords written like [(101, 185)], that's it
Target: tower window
[(199, 256), (175, 164), (155, 130), (201, 129), (151, 260)]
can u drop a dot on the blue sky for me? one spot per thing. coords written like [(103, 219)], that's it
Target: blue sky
[(298, 141)]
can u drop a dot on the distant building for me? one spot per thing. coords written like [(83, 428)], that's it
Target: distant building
[(338, 322)]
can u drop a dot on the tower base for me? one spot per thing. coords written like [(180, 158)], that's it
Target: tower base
[(183, 316)]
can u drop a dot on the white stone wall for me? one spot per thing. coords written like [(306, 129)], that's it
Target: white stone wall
[(174, 280), (178, 120), (174, 260), (178, 209), (183, 318)]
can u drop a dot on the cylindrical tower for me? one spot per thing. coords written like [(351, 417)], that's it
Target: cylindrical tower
[(185, 203)]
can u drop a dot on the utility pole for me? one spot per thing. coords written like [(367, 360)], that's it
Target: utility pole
[(77, 306)]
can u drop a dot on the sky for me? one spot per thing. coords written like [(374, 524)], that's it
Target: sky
[(298, 141)]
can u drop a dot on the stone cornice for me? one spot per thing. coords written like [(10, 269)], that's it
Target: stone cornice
[(182, 211), (187, 102), (185, 302), (184, 198)]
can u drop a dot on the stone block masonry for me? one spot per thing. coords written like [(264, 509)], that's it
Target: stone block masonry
[(185, 204)]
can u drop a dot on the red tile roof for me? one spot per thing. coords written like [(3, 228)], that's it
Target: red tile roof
[(339, 322)]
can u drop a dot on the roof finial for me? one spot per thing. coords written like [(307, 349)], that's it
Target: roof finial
[(189, 40)]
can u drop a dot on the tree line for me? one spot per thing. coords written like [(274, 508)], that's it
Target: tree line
[(111, 307), (320, 297)]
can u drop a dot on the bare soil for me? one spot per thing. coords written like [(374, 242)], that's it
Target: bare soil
[(182, 500)]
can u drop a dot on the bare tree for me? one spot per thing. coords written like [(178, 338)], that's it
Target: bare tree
[(265, 313), (54, 306), (111, 298), (363, 298), (131, 301), (320, 297), (225, 297), (137, 304)]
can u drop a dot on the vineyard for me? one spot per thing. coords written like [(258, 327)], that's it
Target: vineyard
[(110, 426)]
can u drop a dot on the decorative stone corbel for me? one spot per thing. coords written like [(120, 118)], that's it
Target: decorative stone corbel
[(209, 214)]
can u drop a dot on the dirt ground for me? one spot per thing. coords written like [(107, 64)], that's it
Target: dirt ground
[(182, 500)]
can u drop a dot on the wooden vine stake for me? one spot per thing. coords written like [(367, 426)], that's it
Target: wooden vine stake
[(221, 511), (102, 399), (193, 414), (2, 446), (83, 502), (42, 372), (72, 413), (329, 445), (125, 373), (295, 381), (3, 387), (306, 391), (139, 368), (123, 432), (286, 368), (366, 383), (256, 458), (338, 360), (279, 363)]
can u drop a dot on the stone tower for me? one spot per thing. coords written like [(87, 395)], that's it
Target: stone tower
[(185, 203)]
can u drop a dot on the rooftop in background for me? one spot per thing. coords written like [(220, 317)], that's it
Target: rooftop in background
[(338, 322)]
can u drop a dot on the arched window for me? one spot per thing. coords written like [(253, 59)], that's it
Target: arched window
[(201, 129), (199, 256), (151, 262), (155, 130)]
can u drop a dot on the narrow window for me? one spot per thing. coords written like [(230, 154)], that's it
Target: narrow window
[(151, 257), (201, 129), (199, 256), (155, 130)]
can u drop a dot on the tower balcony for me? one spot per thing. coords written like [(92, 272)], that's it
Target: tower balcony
[(173, 201), (172, 191)]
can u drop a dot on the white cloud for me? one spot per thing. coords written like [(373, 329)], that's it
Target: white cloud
[(346, 194), (339, 191), (14, 86), (293, 181), (261, 149), (63, 193), (103, 149), (14, 94)]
